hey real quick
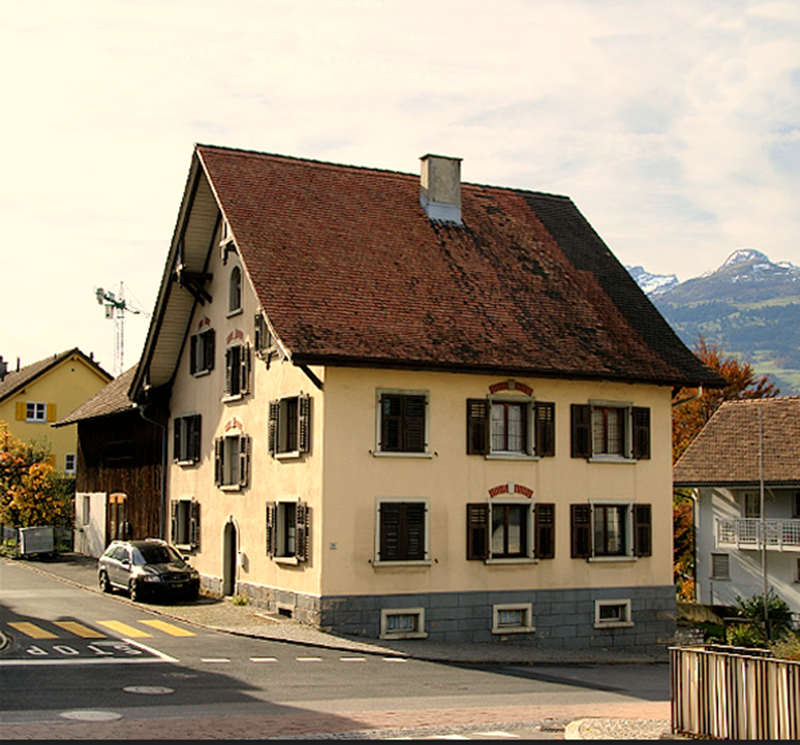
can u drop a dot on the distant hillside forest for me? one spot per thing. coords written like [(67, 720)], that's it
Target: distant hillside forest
[(766, 335)]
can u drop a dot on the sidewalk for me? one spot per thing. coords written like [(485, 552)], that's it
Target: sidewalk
[(245, 620)]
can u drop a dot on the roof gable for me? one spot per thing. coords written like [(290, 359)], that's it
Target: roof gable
[(728, 449), (350, 270)]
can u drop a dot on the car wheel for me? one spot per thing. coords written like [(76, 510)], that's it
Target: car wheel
[(134, 592), (105, 585)]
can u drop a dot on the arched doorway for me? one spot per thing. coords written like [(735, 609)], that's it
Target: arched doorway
[(229, 559)]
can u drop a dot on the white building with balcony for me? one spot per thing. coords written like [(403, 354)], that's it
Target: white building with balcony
[(746, 458)]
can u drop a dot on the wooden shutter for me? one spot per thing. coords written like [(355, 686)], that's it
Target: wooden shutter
[(415, 529), (22, 411), (302, 523), (402, 531), (304, 423), (51, 412), (581, 529), (194, 438), (244, 369), (219, 458), (244, 460), (642, 530), (176, 439), (274, 412), (389, 548), (414, 424), (477, 530), (581, 420), (209, 349), (641, 432), (173, 525), (193, 342), (544, 528), (545, 424), (229, 371), (391, 422), (272, 524), (194, 524), (477, 426)]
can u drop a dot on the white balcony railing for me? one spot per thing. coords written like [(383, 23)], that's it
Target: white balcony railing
[(746, 533)]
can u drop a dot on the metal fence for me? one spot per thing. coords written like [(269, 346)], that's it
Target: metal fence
[(63, 539), (732, 693)]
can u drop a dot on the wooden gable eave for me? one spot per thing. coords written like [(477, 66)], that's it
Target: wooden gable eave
[(182, 285)]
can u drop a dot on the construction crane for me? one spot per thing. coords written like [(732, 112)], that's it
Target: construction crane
[(116, 306)]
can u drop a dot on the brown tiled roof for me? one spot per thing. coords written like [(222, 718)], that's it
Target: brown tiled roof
[(350, 270), (18, 379), (110, 399), (726, 452)]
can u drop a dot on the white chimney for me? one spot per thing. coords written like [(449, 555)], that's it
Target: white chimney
[(440, 188)]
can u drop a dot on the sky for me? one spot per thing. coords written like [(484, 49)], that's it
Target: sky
[(674, 127)]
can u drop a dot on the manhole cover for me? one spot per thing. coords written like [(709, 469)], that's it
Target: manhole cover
[(149, 690), (91, 716)]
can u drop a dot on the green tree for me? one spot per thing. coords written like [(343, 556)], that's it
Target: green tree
[(31, 492)]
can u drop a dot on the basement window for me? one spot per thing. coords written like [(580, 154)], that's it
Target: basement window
[(612, 614), (405, 623)]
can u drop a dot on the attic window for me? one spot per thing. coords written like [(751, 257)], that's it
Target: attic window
[(235, 290)]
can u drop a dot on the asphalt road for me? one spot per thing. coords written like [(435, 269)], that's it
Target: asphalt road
[(78, 654)]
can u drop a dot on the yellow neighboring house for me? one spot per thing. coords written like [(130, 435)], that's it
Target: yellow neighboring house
[(35, 396)]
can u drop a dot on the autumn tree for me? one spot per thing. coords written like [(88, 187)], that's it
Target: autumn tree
[(690, 413), (31, 492)]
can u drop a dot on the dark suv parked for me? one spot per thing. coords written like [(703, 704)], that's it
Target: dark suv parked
[(146, 568)]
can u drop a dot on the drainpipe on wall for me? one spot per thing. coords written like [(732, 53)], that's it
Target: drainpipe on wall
[(163, 501)]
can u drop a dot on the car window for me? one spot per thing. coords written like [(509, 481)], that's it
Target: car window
[(119, 553), (155, 554)]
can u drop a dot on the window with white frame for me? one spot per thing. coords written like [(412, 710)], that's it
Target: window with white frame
[(720, 566), (402, 422), (288, 523), (70, 460), (610, 430), (610, 530), (505, 426), (186, 439), (185, 523), (201, 352), (235, 290), (290, 425), (403, 623), (35, 412), (263, 336), (510, 530), (612, 614), (232, 461), (401, 531), (237, 370), (512, 618)]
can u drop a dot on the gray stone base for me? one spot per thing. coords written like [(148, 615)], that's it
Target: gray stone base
[(561, 619)]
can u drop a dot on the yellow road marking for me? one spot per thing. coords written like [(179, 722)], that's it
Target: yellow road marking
[(168, 628), (32, 630), (123, 628), (79, 629)]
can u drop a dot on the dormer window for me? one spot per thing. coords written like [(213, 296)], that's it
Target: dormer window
[(235, 290)]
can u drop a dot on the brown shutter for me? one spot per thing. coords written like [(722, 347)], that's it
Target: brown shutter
[(194, 438), (641, 432), (176, 440), (302, 519), (229, 371), (219, 450), (642, 530), (544, 527), (477, 426), (545, 424), (193, 342), (274, 411), (304, 423), (581, 528), (389, 547), (414, 514), (208, 351), (173, 527), (194, 524), (477, 530), (414, 424), (244, 369), (272, 524), (581, 419), (51, 412), (244, 460)]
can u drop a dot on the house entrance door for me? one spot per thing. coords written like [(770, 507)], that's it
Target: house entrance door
[(229, 559), (118, 528)]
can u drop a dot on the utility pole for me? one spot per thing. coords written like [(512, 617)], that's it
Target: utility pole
[(115, 309)]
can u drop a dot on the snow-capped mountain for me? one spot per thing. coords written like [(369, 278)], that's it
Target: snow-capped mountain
[(652, 284)]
